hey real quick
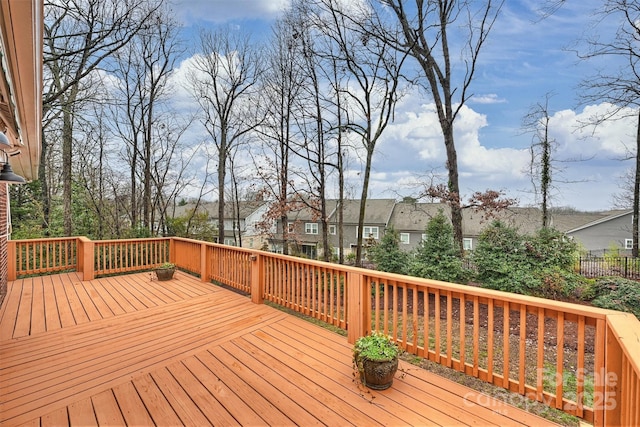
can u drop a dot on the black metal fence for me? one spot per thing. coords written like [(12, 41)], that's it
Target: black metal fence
[(593, 266), (627, 267)]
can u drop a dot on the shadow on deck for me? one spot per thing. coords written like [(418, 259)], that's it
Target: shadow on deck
[(131, 350)]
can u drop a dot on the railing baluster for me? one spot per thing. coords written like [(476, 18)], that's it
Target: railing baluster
[(540, 358), (559, 359), (490, 341), (463, 331), (506, 347), (522, 376)]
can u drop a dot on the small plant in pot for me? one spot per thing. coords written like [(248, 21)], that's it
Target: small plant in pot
[(165, 271), (376, 358)]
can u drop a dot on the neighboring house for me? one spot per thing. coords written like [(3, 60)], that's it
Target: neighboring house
[(596, 232), (235, 216), (376, 220), (598, 236), (21, 41), (257, 229), (410, 220), (304, 230)]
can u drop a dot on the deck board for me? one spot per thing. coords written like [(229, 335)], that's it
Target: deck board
[(131, 350)]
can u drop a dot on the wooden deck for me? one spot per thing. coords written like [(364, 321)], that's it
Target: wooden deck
[(131, 350)]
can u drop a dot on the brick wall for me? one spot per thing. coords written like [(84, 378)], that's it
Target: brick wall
[(3, 240)]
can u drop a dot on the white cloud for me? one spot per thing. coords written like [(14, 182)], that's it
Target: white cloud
[(412, 148), (219, 11), (489, 98)]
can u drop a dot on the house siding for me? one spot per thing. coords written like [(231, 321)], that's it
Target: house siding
[(599, 238)]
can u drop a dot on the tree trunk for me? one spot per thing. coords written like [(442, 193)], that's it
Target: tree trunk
[(45, 197), (134, 185), (636, 194), (453, 185), (222, 160), (67, 164), (363, 206)]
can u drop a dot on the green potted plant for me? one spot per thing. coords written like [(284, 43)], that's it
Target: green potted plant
[(375, 356), (165, 271)]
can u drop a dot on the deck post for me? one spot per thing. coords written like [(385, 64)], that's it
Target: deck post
[(611, 390), (257, 278), (204, 263), (11, 260), (358, 306), (172, 251), (85, 258)]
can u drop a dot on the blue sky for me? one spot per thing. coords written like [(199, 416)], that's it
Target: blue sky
[(524, 59)]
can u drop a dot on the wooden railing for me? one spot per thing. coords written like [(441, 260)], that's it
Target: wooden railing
[(579, 359), (125, 256), (28, 257)]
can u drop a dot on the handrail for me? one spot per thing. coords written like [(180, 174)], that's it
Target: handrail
[(579, 359)]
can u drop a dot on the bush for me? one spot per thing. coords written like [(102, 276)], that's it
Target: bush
[(556, 283), (437, 257), (387, 255), (616, 293), (500, 260), (539, 265)]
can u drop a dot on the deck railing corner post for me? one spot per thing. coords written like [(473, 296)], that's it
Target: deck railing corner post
[(85, 258), (257, 278), (11, 260)]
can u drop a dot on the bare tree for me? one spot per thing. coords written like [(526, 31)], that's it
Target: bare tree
[(281, 84), (80, 35), (223, 83), (624, 198), (536, 122), (619, 86), (143, 70), (427, 36), (371, 85)]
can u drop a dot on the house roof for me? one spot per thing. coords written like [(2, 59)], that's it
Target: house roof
[(568, 221), (377, 211), (246, 208), (305, 213), (611, 216), (416, 216)]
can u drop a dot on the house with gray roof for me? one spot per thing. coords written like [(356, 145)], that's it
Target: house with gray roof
[(235, 217), (595, 232), (410, 221), (376, 220), (612, 231)]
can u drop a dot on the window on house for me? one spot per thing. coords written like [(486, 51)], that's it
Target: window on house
[(370, 231), (423, 237), (311, 228), (404, 238), (332, 230), (467, 244), (628, 243), (291, 227)]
